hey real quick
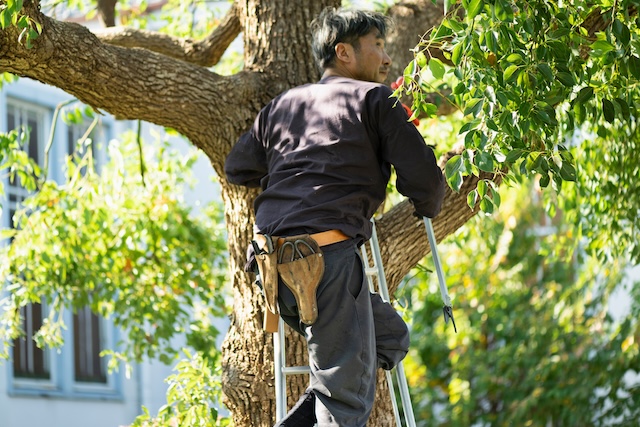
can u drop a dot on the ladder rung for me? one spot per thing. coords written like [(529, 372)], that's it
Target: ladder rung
[(371, 271), (294, 370)]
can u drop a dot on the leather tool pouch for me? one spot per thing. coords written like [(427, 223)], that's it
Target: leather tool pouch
[(267, 259), (301, 267)]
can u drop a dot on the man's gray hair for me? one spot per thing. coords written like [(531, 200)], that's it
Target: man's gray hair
[(335, 26)]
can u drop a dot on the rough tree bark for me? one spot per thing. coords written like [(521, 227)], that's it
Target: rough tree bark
[(136, 75)]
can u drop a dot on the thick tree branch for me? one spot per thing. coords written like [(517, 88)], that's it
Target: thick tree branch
[(136, 83), (206, 52)]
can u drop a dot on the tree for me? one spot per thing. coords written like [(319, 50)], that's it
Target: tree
[(136, 74), (537, 341)]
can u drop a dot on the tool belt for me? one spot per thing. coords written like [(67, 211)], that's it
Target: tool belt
[(299, 262)]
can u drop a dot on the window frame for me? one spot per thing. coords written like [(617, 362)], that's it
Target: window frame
[(61, 382)]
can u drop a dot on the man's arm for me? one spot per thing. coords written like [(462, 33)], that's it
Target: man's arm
[(246, 164), (418, 176)]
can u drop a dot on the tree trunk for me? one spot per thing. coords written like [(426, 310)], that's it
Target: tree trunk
[(212, 111)]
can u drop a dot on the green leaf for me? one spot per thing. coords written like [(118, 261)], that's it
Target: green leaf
[(7, 233), (491, 41), (504, 10), (568, 171), (544, 180), (437, 68), (410, 71), (585, 94), (471, 198), (546, 71), (542, 116), (491, 124), (514, 155), (496, 197), (566, 78), (624, 108), (634, 66), (453, 173), (453, 166), (5, 19), (428, 108), (475, 7), (482, 188), (484, 161), (422, 59), (455, 182), (514, 58), (456, 55), (473, 124), (502, 98), (486, 205), (443, 30), (608, 110), (474, 106), (454, 25), (460, 88), (622, 33), (601, 47), (509, 72)]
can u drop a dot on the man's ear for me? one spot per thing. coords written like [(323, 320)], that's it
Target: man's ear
[(344, 52)]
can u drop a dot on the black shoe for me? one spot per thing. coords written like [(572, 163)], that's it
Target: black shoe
[(303, 413)]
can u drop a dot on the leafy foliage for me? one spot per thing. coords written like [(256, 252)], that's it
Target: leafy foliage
[(15, 163), (11, 15), (606, 204), (193, 396), (542, 87), (535, 343), (125, 245), (7, 78)]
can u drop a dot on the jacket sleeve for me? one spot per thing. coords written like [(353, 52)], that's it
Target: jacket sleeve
[(418, 175), (246, 164)]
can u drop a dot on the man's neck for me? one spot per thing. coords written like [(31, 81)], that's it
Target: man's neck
[(335, 72)]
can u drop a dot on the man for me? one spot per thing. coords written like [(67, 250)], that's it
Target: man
[(322, 154)]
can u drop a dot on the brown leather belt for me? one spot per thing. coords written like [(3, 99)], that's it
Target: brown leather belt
[(325, 238)]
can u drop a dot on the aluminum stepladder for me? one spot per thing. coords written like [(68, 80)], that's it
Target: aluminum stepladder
[(375, 275)]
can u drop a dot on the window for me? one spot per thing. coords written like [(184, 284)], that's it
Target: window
[(87, 345), (90, 134), (76, 370), (33, 118), (29, 361)]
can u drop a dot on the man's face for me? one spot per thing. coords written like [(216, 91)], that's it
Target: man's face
[(371, 61)]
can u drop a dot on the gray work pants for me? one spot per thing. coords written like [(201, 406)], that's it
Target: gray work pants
[(355, 333)]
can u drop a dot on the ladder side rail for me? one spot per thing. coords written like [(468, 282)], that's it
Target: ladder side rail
[(279, 367), (377, 262), (405, 397), (392, 395), (372, 269), (403, 387), (369, 270)]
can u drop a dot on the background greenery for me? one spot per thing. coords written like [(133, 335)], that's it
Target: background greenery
[(537, 343)]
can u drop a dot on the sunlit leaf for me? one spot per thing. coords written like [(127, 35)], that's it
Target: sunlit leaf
[(437, 68), (509, 72)]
